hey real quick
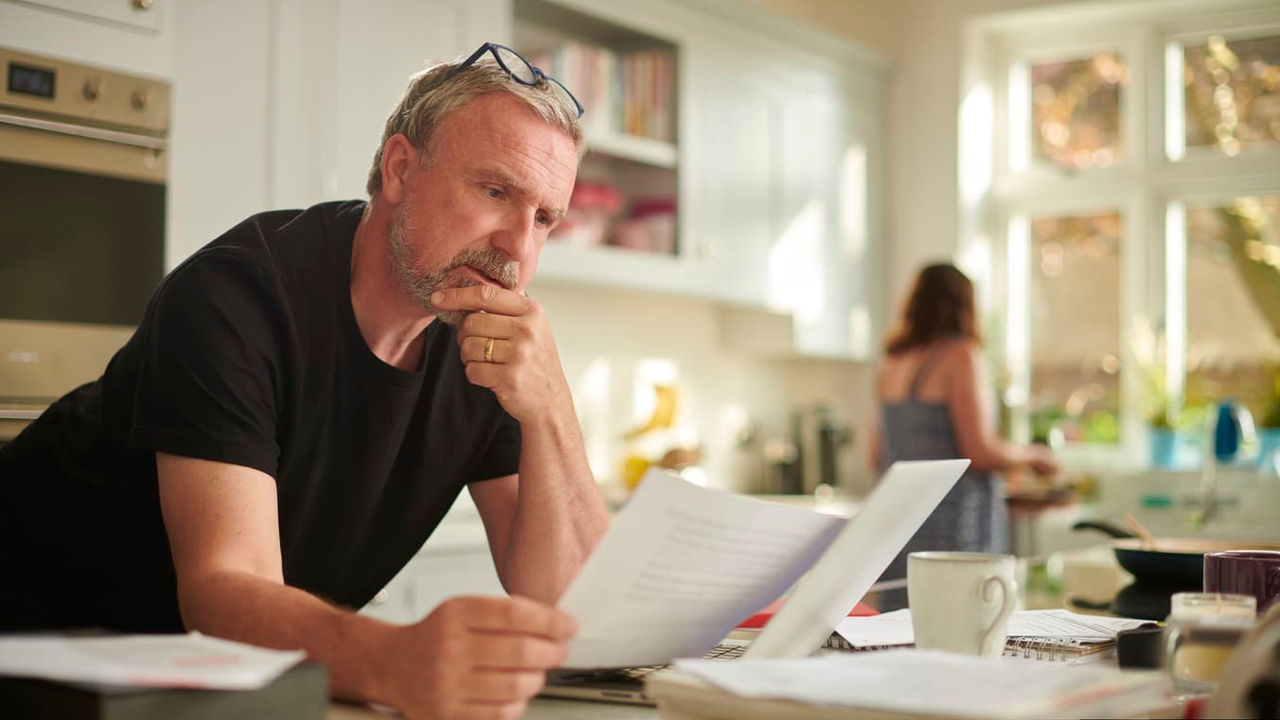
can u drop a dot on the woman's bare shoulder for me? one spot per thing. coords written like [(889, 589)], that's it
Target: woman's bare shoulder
[(962, 355)]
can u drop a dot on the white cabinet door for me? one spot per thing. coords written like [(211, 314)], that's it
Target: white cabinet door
[(729, 171), (811, 282), (111, 34), (141, 14), (220, 141), (821, 265), (379, 45), (342, 66)]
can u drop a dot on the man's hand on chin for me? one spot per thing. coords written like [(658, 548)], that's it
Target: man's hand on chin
[(508, 347)]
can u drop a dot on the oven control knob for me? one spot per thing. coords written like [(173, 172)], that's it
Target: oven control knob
[(141, 98), (93, 88)]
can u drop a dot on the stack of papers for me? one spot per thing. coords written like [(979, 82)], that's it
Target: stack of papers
[(894, 628), (187, 661), (926, 683)]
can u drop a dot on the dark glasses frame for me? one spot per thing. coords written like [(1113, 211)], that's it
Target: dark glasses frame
[(534, 71)]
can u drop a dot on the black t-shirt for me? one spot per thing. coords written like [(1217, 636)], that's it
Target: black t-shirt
[(249, 353)]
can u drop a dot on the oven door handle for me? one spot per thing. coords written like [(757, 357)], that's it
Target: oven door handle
[(85, 131), (19, 414)]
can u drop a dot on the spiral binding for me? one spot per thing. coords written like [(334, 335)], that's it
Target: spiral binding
[(1050, 649)]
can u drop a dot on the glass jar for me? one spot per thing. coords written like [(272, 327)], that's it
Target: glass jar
[(1202, 632)]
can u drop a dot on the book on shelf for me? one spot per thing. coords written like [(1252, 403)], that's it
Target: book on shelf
[(1045, 635), (630, 93)]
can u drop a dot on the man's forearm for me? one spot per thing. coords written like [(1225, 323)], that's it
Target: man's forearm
[(560, 514), (244, 607)]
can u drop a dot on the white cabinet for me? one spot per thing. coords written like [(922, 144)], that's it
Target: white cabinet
[(779, 168), (113, 34), (730, 170), (823, 268), (340, 68), (140, 14)]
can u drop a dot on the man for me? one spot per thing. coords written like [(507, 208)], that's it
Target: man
[(290, 421)]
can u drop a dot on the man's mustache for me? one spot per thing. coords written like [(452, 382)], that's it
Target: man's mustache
[(490, 263)]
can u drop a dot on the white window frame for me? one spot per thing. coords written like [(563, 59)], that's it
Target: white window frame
[(1144, 185)]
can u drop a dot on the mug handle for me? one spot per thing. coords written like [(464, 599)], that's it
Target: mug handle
[(1006, 604), (1172, 642), (1272, 587)]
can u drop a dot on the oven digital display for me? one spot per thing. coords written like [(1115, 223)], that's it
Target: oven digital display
[(28, 80)]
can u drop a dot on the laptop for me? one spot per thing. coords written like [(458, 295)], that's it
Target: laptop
[(897, 507)]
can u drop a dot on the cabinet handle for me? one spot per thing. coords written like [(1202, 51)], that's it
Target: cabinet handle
[(709, 249), (143, 4), (84, 131)]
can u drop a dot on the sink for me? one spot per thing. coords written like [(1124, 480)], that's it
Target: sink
[(1169, 503)]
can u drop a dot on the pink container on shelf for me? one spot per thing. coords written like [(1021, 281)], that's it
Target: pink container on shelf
[(592, 207), (651, 227)]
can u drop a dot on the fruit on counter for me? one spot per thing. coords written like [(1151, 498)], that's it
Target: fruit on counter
[(664, 412)]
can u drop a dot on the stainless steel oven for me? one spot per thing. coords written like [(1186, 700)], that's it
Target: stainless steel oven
[(82, 214)]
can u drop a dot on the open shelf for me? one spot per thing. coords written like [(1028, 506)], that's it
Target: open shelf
[(634, 148), (626, 81)]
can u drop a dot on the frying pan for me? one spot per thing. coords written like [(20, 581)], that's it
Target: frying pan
[(1176, 562)]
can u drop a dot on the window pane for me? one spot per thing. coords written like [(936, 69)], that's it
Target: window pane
[(1075, 111), (1075, 326), (1232, 93), (1233, 300)]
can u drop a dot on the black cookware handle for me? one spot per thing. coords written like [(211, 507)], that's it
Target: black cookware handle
[(1102, 526), (1083, 604)]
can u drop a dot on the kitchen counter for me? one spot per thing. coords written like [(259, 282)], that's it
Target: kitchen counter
[(1090, 574)]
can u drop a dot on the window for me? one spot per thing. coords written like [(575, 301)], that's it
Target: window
[(1231, 94), (1232, 300), (1120, 166), (1075, 331), (1075, 111)]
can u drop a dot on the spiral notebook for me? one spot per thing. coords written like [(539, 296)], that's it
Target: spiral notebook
[(1043, 635)]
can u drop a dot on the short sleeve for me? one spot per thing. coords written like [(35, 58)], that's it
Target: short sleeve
[(210, 364), (502, 457)]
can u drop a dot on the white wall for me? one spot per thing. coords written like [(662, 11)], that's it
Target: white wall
[(604, 334)]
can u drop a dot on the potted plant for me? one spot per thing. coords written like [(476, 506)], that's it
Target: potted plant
[(1269, 426), (1161, 409)]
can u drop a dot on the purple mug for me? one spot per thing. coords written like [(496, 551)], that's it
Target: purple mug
[(1244, 572)]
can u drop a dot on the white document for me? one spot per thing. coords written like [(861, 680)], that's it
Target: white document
[(681, 566), (902, 499), (190, 661), (931, 682), (894, 628)]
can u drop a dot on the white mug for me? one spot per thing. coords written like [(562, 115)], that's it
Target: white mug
[(961, 601)]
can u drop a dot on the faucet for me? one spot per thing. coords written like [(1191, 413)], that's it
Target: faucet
[(1207, 501)]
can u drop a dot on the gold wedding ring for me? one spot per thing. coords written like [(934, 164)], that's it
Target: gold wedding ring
[(488, 350)]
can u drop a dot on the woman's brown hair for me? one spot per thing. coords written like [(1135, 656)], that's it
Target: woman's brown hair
[(940, 305)]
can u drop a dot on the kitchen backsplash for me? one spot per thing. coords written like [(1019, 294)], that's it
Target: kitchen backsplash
[(615, 345)]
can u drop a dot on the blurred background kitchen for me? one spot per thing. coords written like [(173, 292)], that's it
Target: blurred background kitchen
[(765, 178)]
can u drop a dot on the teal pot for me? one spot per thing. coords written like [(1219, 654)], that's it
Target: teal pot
[(1164, 448), (1269, 448)]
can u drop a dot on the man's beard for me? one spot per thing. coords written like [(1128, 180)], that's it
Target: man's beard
[(420, 284)]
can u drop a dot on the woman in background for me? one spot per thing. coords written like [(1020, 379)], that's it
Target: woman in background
[(935, 403)]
